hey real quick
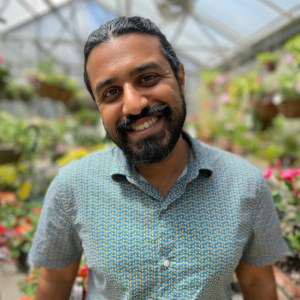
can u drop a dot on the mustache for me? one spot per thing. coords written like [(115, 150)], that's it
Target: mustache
[(146, 112)]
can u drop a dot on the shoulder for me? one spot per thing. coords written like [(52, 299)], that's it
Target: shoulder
[(98, 163), (228, 167)]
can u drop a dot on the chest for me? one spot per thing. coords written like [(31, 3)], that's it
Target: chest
[(127, 234)]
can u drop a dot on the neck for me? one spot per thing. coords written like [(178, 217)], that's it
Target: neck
[(171, 167)]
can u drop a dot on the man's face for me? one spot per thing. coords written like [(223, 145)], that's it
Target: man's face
[(140, 100)]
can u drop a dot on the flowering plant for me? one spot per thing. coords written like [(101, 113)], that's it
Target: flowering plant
[(286, 195), (18, 222), (30, 286)]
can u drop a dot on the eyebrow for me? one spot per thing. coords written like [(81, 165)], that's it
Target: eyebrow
[(135, 71), (144, 67)]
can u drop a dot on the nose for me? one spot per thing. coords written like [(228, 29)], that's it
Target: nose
[(134, 102)]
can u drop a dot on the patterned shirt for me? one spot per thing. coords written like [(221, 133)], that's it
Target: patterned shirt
[(139, 245)]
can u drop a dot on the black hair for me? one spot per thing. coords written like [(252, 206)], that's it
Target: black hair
[(122, 26)]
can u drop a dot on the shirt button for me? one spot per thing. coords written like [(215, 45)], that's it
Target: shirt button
[(166, 262)]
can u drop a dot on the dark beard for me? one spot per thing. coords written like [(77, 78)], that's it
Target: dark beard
[(156, 147)]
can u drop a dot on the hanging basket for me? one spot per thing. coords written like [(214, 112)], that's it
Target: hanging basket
[(48, 90), (270, 66), (9, 155), (267, 112), (290, 108)]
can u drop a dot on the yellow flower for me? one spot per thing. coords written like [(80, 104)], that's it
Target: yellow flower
[(24, 191), (8, 174)]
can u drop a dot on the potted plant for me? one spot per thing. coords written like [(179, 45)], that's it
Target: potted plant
[(4, 75), (285, 186), (269, 60), (264, 103), (20, 221), (289, 85), (292, 46), (208, 78)]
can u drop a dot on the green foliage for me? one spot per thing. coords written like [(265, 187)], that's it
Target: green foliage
[(87, 117), (208, 77), (4, 75), (292, 46), (14, 90), (288, 82), (265, 57)]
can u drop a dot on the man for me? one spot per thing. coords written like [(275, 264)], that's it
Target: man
[(160, 216)]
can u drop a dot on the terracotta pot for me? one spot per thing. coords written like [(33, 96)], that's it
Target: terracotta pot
[(270, 66), (267, 112), (225, 144), (286, 285), (290, 108)]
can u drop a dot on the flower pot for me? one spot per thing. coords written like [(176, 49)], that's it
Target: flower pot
[(64, 95), (9, 155), (22, 262), (266, 112), (49, 90), (290, 108), (225, 144), (270, 66), (286, 285)]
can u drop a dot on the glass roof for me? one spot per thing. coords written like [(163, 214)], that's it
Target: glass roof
[(204, 33)]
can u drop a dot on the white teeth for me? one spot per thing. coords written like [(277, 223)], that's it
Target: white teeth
[(145, 125)]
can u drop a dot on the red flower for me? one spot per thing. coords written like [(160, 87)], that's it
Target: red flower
[(2, 230), (1, 59), (30, 277)]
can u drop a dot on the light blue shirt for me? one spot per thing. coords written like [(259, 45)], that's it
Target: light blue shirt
[(139, 245)]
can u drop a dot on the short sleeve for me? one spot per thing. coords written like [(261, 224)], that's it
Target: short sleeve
[(266, 245), (56, 244)]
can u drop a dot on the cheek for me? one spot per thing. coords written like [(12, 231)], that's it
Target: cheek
[(164, 93), (111, 115)]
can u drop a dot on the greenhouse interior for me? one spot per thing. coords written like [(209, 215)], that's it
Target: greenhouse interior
[(242, 93)]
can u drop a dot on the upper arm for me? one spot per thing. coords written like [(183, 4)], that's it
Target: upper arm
[(67, 274), (56, 242), (265, 244), (56, 283), (249, 276)]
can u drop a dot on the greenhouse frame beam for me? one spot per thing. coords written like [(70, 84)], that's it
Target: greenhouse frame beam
[(178, 30), (64, 22), (276, 8), (221, 28), (28, 7), (37, 17)]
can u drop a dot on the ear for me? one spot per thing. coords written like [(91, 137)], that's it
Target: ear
[(181, 77)]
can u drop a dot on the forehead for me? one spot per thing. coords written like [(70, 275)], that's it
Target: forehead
[(125, 51)]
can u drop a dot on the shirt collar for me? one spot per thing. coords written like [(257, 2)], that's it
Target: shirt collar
[(201, 160)]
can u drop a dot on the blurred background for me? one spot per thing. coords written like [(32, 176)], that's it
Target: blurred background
[(242, 61)]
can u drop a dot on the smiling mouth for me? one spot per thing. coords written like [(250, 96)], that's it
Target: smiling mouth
[(145, 124)]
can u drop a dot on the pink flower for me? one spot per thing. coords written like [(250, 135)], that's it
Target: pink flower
[(290, 59), (1, 60), (224, 98), (268, 173), (296, 192), (229, 126), (287, 175)]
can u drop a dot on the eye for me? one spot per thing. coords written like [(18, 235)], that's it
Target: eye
[(147, 78), (111, 92)]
